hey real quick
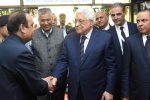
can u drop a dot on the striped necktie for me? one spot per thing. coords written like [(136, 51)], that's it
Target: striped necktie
[(82, 47)]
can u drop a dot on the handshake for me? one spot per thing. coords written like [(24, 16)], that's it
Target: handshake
[(52, 82)]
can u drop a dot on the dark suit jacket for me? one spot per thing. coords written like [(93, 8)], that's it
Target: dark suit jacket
[(5, 88), (132, 30), (136, 69), (96, 73), (18, 64)]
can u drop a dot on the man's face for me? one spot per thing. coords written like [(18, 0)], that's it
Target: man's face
[(82, 24), (62, 20), (45, 22), (54, 20), (29, 29), (4, 31), (118, 16), (101, 20), (143, 22)]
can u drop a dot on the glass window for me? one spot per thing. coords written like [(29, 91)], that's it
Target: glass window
[(110, 1), (43, 2)]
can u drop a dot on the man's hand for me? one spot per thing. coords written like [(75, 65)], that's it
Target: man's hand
[(52, 84), (107, 96), (52, 81), (125, 98)]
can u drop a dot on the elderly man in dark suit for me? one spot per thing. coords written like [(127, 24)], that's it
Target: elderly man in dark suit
[(47, 45), (88, 54), (136, 61), (18, 63), (120, 31)]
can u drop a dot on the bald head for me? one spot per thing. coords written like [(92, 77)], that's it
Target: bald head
[(101, 19)]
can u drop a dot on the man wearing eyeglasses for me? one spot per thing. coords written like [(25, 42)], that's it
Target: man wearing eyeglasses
[(120, 31), (89, 56)]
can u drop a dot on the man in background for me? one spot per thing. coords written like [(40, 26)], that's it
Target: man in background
[(119, 32), (62, 21), (102, 21), (3, 27), (54, 19)]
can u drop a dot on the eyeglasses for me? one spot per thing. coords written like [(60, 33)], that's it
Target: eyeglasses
[(117, 14), (81, 21)]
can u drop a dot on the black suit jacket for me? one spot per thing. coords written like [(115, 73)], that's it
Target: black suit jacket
[(5, 88), (18, 64), (136, 69), (132, 30)]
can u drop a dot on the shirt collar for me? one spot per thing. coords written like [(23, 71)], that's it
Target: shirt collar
[(107, 27), (47, 33), (88, 35), (124, 25)]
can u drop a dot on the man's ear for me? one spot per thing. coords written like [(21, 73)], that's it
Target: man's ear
[(22, 28)]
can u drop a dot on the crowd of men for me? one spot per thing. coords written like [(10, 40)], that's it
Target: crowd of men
[(94, 60)]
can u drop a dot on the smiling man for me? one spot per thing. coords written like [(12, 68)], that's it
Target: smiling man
[(47, 45), (120, 31), (88, 54)]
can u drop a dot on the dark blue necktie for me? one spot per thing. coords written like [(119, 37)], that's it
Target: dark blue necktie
[(123, 35), (147, 47), (82, 47)]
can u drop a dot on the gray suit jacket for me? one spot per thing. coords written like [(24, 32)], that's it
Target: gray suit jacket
[(46, 50)]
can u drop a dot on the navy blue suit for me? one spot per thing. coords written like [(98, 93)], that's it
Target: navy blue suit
[(96, 73), (18, 65), (132, 30), (136, 70), (5, 88)]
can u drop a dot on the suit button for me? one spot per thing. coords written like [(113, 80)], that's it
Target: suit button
[(49, 50), (49, 57)]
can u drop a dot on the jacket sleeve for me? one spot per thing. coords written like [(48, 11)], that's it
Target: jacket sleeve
[(110, 61), (28, 76)]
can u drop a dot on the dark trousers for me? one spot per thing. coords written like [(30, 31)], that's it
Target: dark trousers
[(140, 93), (57, 95), (80, 94)]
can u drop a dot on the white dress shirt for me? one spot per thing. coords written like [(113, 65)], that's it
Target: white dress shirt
[(144, 39), (126, 31), (88, 35)]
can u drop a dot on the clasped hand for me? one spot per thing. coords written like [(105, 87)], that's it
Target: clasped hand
[(52, 82)]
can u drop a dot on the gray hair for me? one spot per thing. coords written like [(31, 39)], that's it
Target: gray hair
[(43, 11), (89, 13)]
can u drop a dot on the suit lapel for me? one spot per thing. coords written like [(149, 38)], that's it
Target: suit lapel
[(90, 45), (140, 41), (76, 48), (116, 39), (130, 28)]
